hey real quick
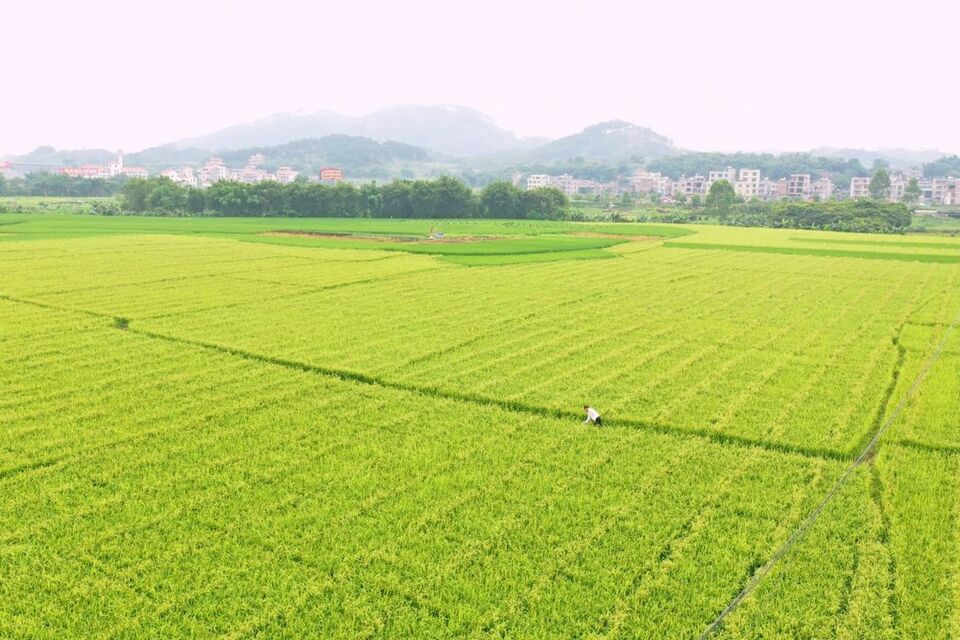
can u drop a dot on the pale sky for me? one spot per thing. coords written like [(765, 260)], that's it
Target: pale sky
[(745, 75)]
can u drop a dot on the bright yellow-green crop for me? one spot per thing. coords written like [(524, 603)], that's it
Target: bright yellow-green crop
[(202, 436)]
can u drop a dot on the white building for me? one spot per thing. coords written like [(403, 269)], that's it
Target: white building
[(859, 187), (538, 181), (214, 170), (116, 167), (651, 182), (286, 175), (568, 184), (729, 174), (747, 185), (898, 185)]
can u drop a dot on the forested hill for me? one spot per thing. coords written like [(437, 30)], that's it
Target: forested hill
[(608, 142), (358, 156)]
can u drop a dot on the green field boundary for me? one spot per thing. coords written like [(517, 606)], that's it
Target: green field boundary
[(880, 243), (491, 246), (824, 253), (923, 447), (524, 258)]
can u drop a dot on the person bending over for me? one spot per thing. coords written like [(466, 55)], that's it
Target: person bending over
[(592, 415)]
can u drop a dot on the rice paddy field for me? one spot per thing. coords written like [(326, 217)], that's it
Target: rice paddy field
[(269, 428)]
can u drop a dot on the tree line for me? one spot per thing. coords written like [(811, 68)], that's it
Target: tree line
[(445, 197), (47, 184), (945, 167)]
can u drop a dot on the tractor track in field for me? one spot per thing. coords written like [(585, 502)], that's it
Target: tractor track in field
[(866, 454)]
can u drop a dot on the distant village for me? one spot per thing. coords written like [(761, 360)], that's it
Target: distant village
[(214, 170), (749, 184)]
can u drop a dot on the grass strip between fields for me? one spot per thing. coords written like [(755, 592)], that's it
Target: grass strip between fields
[(866, 454), (826, 253)]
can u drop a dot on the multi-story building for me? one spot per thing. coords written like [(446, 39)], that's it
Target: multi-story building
[(729, 174), (214, 170), (188, 177), (768, 189), (945, 191), (782, 189), (135, 172), (572, 186), (644, 181), (747, 185), (690, 186), (820, 189), (898, 185), (651, 182), (798, 184), (859, 187), (331, 174), (251, 175), (286, 175), (568, 184), (538, 181)]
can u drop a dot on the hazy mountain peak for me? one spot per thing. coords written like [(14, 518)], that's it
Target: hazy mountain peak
[(448, 129)]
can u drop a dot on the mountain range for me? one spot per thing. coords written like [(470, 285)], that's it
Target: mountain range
[(412, 141), (449, 130)]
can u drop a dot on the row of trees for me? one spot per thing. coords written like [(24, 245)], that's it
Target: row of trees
[(942, 168), (444, 197), (861, 215), (43, 183)]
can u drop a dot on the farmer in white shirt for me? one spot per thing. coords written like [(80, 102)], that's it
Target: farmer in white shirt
[(592, 415)]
